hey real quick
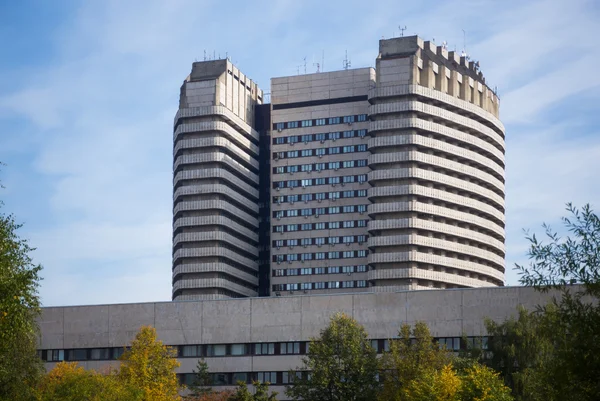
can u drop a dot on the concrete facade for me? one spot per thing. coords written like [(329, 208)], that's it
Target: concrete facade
[(382, 179), (249, 338), (215, 185)]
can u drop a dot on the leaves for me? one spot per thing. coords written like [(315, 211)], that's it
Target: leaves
[(150, 366), (342, 365)]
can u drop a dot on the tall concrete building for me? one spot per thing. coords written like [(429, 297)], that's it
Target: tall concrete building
[(380, 179), (215, 185)]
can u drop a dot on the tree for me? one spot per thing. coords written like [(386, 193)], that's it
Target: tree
[(480, 383), (342, 364), (70, 382), (414, 356), (261, 393), (432, 385), (20, 367), (150, 366), (212, 396), (518, 349), (202, 379), (571, 321)]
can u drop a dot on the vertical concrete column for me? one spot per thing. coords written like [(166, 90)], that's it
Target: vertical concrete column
[(441, 79), (453, 84), (427, 74)]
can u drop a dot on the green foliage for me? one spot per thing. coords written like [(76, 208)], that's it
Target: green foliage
[(20, 367), (69, 382), (557, 352), (342, 364), (432, 385), (261, 393), (150, 366), (202, 379), (411, 357), (480, 383)]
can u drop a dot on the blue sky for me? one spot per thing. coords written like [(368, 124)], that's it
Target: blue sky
[(88, 91)]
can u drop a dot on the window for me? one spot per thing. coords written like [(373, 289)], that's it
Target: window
[(292, 257), (279, 272), (100, 353), (334, 120), (306, 138), (189, 350), (292, 287), (348, 239), (238, 349), (306, 197), (292, 213), (292, 227), (239, 377), (362, 117), (348, 194), (334, 195), (306, 212), (306, 256), (348, 284), (77, 355), (361, 163), (334, 210), (279, 141), (361, 283), (320, 121), (361, 148), (290, 348), (361, 268), (347, 269), (292, 124), (279, 126), (319, 270), (216, 350), (320, 240), (333, 255), (306, 123), (319, 286), (348, 164), (219, 379), (362, 178), (348, 149), (348, 224), (307, 152), (334, 151), (266, 377), (334, 165), (362, 193), (320, 210), (320, 195), (305, 271), (306, 183), (348, 119), (334, 180), (320, 137), (306, 227), (320, 255), (319, 166), (361, 254), (333, 135), (362, 208), (292, 154), (293, 139), (348, 178), (333, 240), (280, 170), (333, 269), (319, 226), (361, 238), (348, 134), (348, 254), (292, 272), (334, 284), (306, 286), (334, 225), (320, 151)]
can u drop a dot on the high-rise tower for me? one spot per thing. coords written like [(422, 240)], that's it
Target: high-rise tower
[(215, 185), (437, 161)]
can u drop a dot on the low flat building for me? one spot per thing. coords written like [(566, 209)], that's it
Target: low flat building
[(263, 338)]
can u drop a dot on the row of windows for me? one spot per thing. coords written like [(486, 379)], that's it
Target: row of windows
[(307, 271), (332, 136), (319, 211), (320, 196), (320, 121), (309, 182), (320, 285), (319, 166), (347, 239), (328, 225), (293, 257), (243, 349), (231, 379)]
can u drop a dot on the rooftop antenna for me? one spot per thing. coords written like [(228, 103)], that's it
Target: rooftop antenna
[(204, 54), (323, 61), (214, 54), (346, 62), (402, 30), (318, 65), (464, 51), (304, 64), (445, 45)]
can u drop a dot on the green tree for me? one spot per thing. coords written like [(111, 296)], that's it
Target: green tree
[(70, 382), (412, 356), (20, 367), (571, 321), (202, 380), (341, 363), (261, 393), (518, 348), (150, 366), (480, 383), (432, 385)]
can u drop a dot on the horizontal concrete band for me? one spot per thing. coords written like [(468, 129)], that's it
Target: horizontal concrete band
[(191, 144), (385, 241), (208, 173), (381, 194), (437, 112), (216, 283), (426, 208), (213, 252), (402, 90), (190, 206), (212, 267), (217, 126), (197, 221), (222, 189), (218, 111), (213, 236), (377, 160), (439, 178), (403, 139), (215, 157), (446, 229), (492, 153), (421, 274)]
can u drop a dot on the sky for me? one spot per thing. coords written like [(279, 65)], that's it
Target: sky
[(89, 89)]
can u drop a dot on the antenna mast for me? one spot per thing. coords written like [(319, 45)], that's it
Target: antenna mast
[(346, 63), (402, 30)]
